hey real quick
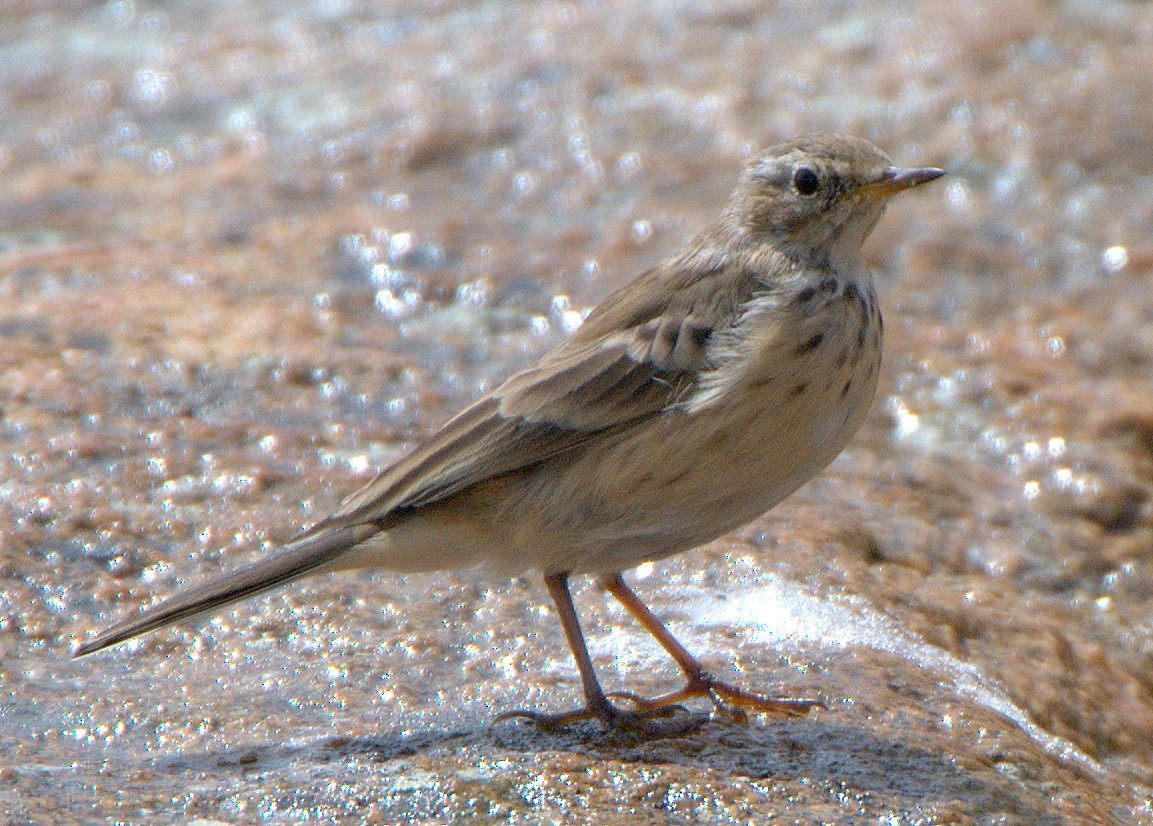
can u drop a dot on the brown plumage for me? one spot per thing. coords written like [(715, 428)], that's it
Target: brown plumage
[(691, 400)]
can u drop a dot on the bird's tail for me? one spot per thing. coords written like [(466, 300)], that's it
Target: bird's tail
[(307, 555)]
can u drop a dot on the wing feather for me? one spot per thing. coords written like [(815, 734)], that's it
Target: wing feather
[(584, 387)]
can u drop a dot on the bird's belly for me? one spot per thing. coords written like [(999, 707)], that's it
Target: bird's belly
[(720, 474), (690, 478)]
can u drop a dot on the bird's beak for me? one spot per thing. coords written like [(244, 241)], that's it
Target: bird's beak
[(894, 180)]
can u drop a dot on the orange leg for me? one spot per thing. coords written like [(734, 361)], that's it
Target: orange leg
[(598, 704), (700, 683)]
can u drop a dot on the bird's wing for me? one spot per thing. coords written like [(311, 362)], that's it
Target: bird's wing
[(589, 384), (593, 383), (626, 363)]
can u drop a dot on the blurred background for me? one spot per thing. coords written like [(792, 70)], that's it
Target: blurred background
[(250, 253)]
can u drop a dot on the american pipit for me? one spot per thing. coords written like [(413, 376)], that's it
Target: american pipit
[(691, 400)]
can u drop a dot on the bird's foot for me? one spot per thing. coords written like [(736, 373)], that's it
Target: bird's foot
[(660, 720), (729, 700)]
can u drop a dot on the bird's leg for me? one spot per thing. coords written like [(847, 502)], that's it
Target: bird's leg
[(700, 683), (598, 704)]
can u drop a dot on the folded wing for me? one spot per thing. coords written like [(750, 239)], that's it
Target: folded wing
[(585, 387)]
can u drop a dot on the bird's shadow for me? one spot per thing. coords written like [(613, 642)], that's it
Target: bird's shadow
[(803, 749)]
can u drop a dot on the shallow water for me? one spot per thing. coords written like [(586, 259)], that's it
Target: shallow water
[(250, 253)]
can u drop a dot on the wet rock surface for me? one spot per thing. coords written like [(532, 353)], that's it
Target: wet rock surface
[(250, 253)]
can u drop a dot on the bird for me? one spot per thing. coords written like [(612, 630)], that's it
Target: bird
[(689, 402)]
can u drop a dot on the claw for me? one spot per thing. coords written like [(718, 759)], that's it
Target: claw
[(548, 722), (649, 704), (640, 721), (723, 694), (726, 698)]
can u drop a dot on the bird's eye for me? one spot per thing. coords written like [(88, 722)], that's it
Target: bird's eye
[(805, 180)]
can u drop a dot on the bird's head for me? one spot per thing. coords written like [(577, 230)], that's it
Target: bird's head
[(819, 197)]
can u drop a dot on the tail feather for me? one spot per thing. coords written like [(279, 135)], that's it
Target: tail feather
[(306, 556)]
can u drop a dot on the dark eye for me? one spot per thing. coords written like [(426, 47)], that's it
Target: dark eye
[(805, 180)]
